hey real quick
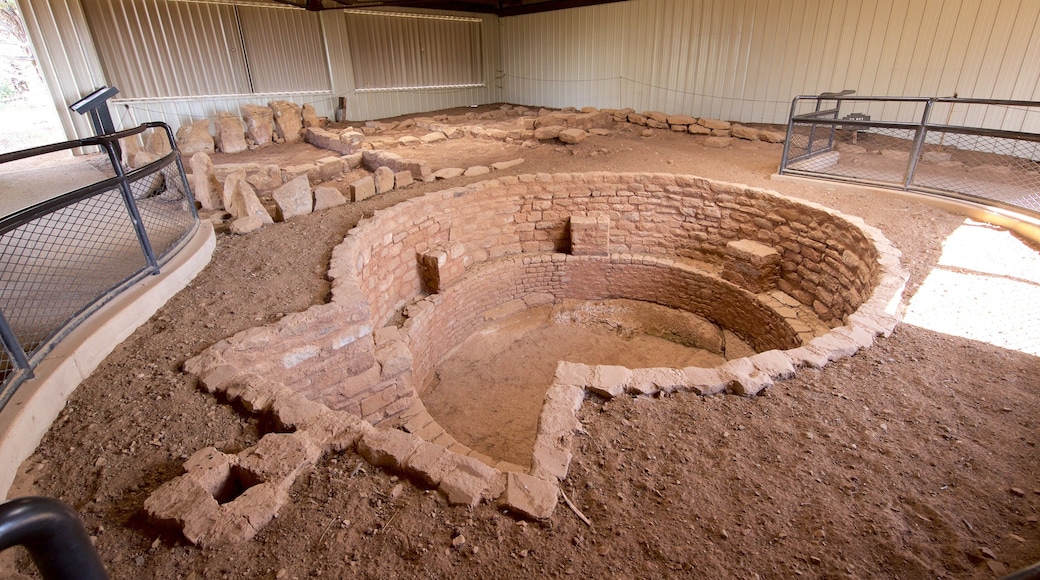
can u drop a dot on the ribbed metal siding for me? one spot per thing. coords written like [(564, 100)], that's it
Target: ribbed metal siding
[(65, 54), (377, 104), (285, 49), (155, 48), (745, 59)]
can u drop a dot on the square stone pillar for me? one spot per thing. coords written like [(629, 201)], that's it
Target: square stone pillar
[(440, 267), (752, 266), (590, 236)]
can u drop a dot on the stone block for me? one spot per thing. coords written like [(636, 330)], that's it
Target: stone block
[(477, 170), (288, 120), (394, 358), (259, 123), (430, 463), (714, 124), (329, 167), (752, 266), (294, 198), (742, 132), (530, 497), (204, 182), (294, 410), (434, 137), (327, 197), (503, 165), (310, 116), (194, 138), (362, 189), (572, 136), (231, 133), (277, 458), (590, 236), (467, 482), (448, 172), (547, 133), (698, 130), (388, 447), (680, 120), (383, 178), (549, 462), (403, 179)]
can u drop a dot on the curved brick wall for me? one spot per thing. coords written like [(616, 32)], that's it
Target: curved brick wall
[(437, 324), (826, 263)]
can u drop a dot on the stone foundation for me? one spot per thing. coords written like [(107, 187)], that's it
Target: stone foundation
[(800, 283)]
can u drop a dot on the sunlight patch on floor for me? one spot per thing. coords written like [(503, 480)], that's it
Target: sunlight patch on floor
[(986, 287)]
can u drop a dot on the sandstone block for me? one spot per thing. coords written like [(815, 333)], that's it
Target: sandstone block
[(714, 124), (388, 447), (394, 358), (231, 133), (403, 179), (383, 179), (310, 116), (681, 120), (294, 198), (609, 380), (195, 138), (752, 266), (529, 496), (430, 463), (329, 167), (448, 172), (698, 130), (549, 462), (259, 123), (434, 137), (157, 143), (294, 410), (742, 132), (326, 197), (573, 136), (476, 170), (467, 482), (546, 133), (204, 182), (362, 189), (288, 120), (277, 458), (590, 236)]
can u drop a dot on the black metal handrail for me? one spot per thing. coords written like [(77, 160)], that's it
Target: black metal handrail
[(54, 536), (22, 358)]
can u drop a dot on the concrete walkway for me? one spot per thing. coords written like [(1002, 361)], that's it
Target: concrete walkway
[(22, 186)]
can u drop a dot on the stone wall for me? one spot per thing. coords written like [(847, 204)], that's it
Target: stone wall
[(438, 323), (826, 263)]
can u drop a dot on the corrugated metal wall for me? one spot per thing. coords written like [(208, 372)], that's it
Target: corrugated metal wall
[(745, 60), (378, 104), (741, 60), (65, 54)]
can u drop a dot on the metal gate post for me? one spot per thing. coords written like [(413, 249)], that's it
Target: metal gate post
[(14, 348), (131, 208), (915, 153)]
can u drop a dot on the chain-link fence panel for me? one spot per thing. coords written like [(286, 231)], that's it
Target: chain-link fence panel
[(918, 144), (64, 258)]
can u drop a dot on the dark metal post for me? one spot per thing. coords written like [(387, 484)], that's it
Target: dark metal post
[(180, 169), (54, 536), (131, 208), (790, 132), (14, 348), (915, 153)]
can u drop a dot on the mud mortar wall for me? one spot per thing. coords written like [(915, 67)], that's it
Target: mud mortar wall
[(826, 263), (499, 288)]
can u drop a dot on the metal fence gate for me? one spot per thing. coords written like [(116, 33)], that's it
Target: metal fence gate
[(986, 151)]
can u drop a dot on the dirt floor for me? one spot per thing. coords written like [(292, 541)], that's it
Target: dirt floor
[(915, 458)]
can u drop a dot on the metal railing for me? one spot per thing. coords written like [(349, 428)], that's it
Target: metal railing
[(64, 258), (979, 150), (54, 535)]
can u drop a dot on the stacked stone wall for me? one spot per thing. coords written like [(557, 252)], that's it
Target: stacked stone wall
[(825, 264), (438, 323)]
